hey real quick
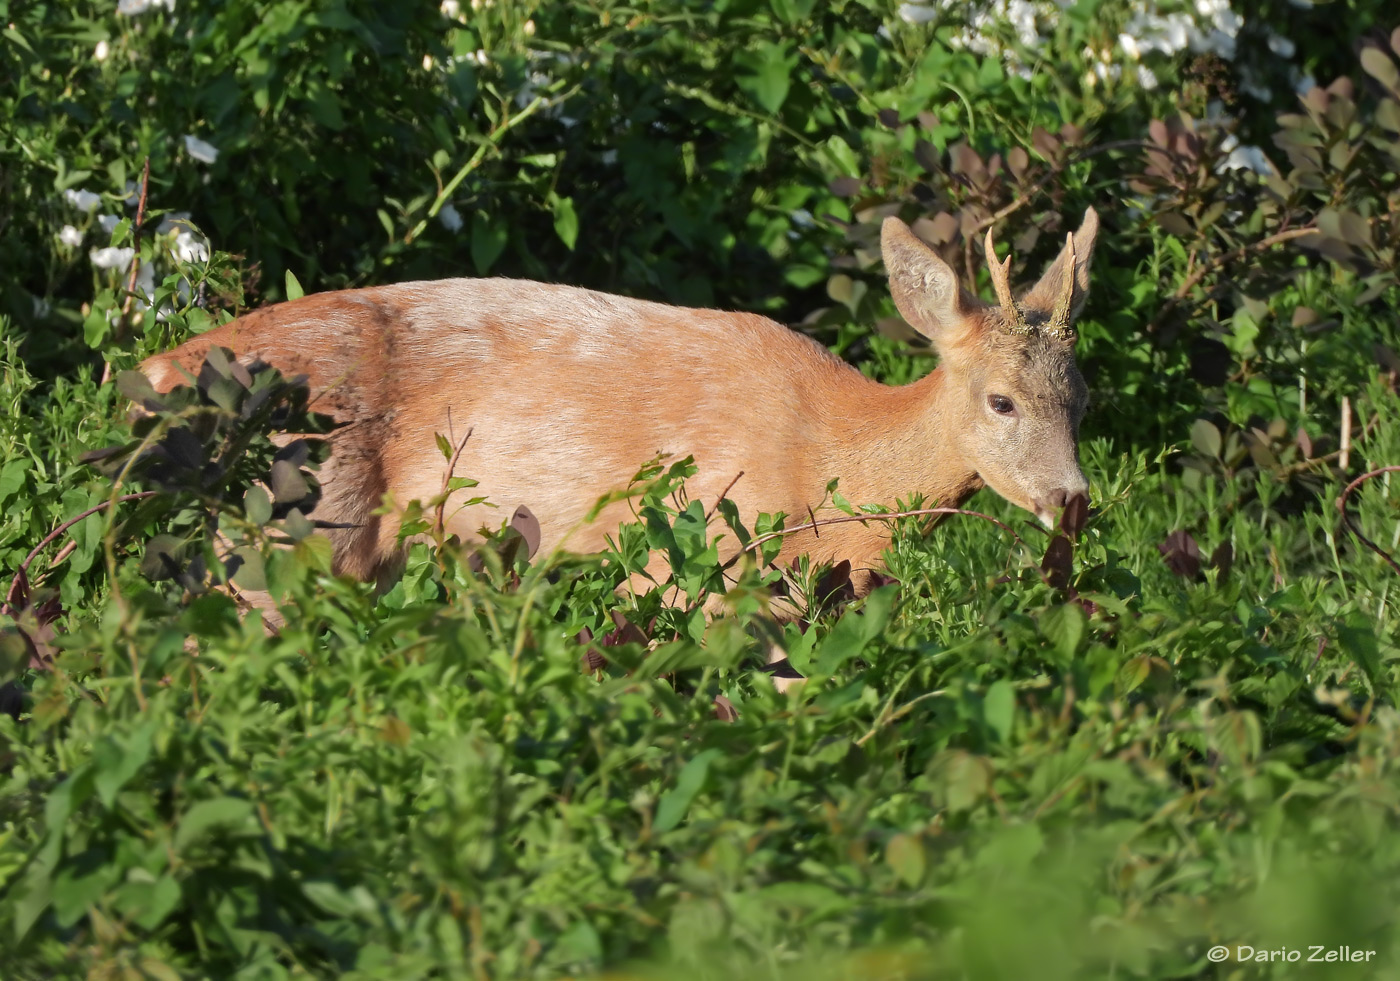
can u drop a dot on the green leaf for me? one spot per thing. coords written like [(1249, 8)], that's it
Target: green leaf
[(1065, 626), (1206, 438), (769, 74), (220, 812), (117, 762), (12, 478), (488, 242), (999, 709), (148, 903), (565, 219), (675, 802), (256, 506), (251, 573), (848, 639), (294, 291), (905, 855)]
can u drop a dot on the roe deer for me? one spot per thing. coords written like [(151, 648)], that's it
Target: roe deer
[(566, 392)]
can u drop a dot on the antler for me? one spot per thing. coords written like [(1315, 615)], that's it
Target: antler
[(1001, 282), (1059, 326)]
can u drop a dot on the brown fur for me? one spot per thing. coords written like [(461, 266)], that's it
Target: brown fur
[(567, 392)]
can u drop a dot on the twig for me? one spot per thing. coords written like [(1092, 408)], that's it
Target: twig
[(888, 516), (1191, 281), (34, 553), (722, 496), (1351, 525), (887, 717), (135, 257), (447, 477), (1344, 454), (491, 142), (1335, 455), (136, 239)]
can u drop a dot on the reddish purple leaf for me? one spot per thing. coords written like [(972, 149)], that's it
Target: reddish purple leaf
[(1058, 563), (1223, 558), (835, 587), (1075, 515), (1182, 554), (525, 522)]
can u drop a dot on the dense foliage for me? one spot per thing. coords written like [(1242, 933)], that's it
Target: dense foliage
[(1097, 752)]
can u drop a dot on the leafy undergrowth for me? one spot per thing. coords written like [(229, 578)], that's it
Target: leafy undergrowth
[(1093, 753), (1068, 756)]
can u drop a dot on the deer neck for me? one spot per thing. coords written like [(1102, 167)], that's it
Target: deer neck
[(892, 442)]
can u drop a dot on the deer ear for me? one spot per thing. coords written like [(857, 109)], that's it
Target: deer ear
[(925, 290), (1042, 295)]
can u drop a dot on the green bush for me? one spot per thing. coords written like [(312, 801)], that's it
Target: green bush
[(1097, 753)]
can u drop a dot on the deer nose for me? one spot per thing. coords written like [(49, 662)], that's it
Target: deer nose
[(1060, 496)]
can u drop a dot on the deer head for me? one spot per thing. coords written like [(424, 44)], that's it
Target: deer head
[(1011, 390)]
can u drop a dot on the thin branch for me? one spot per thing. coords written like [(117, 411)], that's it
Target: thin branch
[(887, 717), (491, 142), (722, 496), (135, 257), (136, 239), (1205, 268), (34, 553), (1351, 525), (1344, 458), (447, 477), (889, 516)]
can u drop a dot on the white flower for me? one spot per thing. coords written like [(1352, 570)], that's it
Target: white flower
[(201, 151), (1146, 78), (100, 52), (111, 258), (70, 236), (451, 8), (450, 217), (529, 28), (1281, 45), (108, 223), (427, 62), (190, 248), (130, 8), (1243, 157), (916, 13), (82, 199), (1021, 14), (1130, 46)]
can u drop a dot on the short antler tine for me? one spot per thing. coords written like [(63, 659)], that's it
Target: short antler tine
[(1001, 282), (1059, 326)]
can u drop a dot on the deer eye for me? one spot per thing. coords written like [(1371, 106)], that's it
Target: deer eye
[(1001, 404)]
